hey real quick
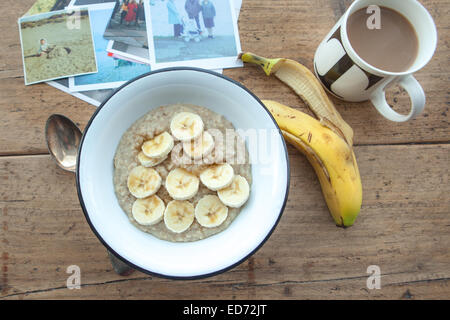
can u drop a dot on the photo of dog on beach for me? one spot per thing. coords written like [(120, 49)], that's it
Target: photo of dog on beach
[(57, 44)]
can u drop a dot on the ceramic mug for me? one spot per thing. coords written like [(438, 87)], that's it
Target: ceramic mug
[(345, 75)]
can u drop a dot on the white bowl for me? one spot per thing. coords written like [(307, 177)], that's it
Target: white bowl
[(142, 251)]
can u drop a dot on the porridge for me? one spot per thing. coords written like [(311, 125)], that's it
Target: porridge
[(179, 176)]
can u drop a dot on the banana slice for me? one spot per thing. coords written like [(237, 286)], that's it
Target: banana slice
[(236, 194), (148, 211), (179, 215), (186, 126), (143, 182), (199, 148), (217, 176), (158, 147), (149, 162), (181, 184), (210, 212)]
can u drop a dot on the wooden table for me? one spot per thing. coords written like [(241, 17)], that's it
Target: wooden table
[(404, 225)]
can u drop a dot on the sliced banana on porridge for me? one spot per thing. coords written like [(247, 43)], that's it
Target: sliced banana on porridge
[(186, 126), (149, 162), (236, 194), (179, 215), (199, 148), (158, 147), (210, 212), (148, 211), (217, 176), (181, 184), (143, 182)]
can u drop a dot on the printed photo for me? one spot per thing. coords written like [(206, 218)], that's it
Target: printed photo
[(128, 23), (94, 97), (88, 2), (56, 45), (41, 6), (112, 72), (131, 52), (200, 33), (142, 54)]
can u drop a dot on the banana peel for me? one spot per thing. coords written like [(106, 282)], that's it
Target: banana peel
[(305, 85), (331, 157)]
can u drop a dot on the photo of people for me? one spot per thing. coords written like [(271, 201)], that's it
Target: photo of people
[(112, 72), (127, 23), (201, 33), (57, 44)]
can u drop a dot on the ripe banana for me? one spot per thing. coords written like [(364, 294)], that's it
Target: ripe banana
[(181, 184), (305, 84), (149, 162), (143, 182), (331, 157), (158, 147), (236, 194), (148, 211), (186, 126), (210, 212), (179, 216), (217, 176), (200, 147)]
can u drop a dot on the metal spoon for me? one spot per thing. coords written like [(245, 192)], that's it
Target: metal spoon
[(63, 138)]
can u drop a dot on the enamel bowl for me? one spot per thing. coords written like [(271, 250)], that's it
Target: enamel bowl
[(257, 219)]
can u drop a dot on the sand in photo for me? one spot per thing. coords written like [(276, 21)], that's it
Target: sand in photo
[(57, 44)]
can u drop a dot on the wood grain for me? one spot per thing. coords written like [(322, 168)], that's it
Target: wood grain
[(284, 28), (403, 228)]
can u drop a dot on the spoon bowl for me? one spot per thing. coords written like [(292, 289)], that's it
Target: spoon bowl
[(63, 138)]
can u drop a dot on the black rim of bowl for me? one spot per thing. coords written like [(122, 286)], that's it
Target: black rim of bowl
[(80, 197)]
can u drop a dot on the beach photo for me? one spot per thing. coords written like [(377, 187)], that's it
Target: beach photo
[(128, 23), (112, 72), (94, 97), (41, 6), (200, 33), (56, 45)]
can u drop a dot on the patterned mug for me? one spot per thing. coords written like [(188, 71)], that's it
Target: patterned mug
[(345, 75)]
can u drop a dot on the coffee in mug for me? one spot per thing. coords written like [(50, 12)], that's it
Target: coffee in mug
[(359, 59), (395, 35)]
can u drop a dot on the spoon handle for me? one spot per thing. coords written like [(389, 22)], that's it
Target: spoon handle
[(120, 267)]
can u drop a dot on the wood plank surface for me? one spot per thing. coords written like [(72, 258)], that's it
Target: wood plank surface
[(283, 28), (403, 228), (404, 225)]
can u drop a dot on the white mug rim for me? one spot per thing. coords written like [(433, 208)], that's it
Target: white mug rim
[(361, 62)]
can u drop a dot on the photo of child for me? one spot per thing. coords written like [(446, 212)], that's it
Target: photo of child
[(57, 44), (201, 33)]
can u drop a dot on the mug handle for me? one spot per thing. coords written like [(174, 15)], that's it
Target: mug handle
[(416, 94)]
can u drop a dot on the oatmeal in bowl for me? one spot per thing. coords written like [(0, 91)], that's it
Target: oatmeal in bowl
[(182, 173)]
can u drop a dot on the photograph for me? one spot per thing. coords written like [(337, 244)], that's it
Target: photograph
[(128, 23), (94, 97), (199, 33), (57, 44), (142, 54), (112, 72), (135, 53), (41, 6)]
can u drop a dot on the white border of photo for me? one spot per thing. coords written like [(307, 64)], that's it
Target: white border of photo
[(210, 63)]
